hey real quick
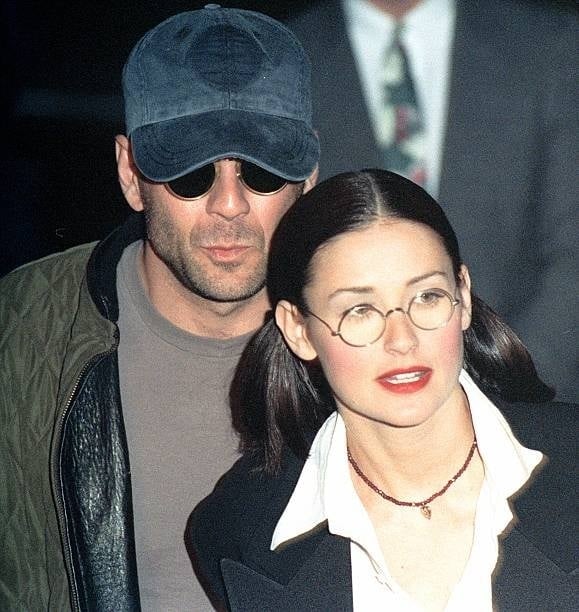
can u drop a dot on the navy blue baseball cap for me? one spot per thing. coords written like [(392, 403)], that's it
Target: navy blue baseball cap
[(214, 83)]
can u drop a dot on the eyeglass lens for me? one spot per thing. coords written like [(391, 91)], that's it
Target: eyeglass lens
[(259, 180), (428, 310), (193, 184), (199, 182)]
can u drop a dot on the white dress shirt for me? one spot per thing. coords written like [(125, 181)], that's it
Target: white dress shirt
[(427, 36), (325, 491)]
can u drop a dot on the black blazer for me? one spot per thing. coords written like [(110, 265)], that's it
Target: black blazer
[(510, 158), (229, 533)]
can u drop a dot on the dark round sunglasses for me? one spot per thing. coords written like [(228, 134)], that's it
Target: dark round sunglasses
[(198, 183)]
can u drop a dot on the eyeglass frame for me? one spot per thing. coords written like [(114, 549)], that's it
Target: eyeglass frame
[(454, 301), (239, 175)]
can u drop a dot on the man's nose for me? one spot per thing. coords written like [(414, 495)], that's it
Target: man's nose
[(228, 198)]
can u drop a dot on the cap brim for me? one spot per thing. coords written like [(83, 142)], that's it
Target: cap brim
[(168, 149)]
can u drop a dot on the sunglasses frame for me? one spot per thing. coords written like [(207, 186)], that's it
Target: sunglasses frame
[(238, 163)]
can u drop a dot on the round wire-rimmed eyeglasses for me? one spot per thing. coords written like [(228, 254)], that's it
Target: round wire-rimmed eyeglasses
[(200, 182), (364, 324)]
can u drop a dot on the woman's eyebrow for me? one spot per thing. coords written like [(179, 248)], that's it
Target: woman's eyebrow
[(421, 277), (355, 290), (367, 290)]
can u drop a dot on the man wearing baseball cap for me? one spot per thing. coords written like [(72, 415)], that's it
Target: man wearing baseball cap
[(117, 357)]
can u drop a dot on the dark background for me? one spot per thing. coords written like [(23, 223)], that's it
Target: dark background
[(61, 103)]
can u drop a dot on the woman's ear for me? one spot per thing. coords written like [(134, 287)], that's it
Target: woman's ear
[(293, 327), (465, 297)]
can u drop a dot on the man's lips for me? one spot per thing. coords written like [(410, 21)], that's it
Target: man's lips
[(406, 380), (226, 252)]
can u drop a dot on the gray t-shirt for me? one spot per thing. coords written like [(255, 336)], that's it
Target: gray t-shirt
[(174, 390)]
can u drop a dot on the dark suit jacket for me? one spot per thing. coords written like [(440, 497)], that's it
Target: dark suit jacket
[(510, 158), (229, 533)]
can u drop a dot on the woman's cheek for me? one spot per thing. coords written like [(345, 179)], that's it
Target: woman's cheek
[(343, 365), (451, 348)]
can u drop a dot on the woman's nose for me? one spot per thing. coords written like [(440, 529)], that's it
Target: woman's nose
[(400, 333)]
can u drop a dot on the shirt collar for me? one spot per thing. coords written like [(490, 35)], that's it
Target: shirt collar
[(508, 464), (375, 24), (324, 491)]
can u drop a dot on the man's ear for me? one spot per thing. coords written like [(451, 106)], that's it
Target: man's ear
[(465, 297), (312, 179), (128, 173), (292, 325)]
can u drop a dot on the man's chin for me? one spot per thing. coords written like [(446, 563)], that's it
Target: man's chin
[(225, 292), (234, 295)]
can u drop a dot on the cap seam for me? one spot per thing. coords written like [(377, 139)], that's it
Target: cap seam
[(236, 109)]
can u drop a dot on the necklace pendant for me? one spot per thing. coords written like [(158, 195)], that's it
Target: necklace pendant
[(426, 512), (424, 507)]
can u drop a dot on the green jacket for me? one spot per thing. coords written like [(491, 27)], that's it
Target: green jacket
[(66, 527)]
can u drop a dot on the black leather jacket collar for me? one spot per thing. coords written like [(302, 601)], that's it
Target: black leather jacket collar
[(102, 266), (92, 472)]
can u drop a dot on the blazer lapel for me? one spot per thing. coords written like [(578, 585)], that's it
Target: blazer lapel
[(526, 580), (537, 566), (344, 126), (323, 582), (487, 108), (470, 59)]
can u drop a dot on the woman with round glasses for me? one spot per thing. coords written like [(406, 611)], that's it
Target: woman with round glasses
[(401, 451)]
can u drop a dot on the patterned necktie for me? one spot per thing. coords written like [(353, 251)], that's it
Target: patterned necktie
[(401, 135)]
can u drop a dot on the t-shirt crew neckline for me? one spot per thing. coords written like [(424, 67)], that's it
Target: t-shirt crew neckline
[(163, 328)]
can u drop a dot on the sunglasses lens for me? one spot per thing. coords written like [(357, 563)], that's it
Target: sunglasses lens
[(195, 184), (259, 180)]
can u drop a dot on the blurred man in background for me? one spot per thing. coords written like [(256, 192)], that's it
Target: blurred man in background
[(478, 102)]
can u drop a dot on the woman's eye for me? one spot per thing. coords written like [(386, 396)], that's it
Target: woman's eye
[(429, 297), (362, 310)]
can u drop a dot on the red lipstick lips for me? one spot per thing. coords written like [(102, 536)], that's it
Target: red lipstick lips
[(407, 380)]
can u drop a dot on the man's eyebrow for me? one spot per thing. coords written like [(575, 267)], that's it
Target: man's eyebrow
[(367, 290)]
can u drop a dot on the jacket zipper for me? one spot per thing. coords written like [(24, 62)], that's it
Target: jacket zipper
[(57, 487)]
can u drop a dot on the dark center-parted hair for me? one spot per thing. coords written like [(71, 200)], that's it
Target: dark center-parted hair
[(345, 203), (276, 398)]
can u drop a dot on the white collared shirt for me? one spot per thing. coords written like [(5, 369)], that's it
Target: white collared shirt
[(325, 491), (427, 36)]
